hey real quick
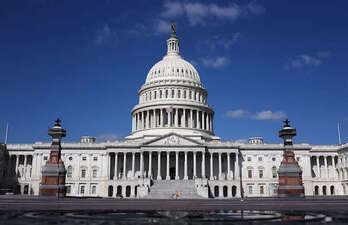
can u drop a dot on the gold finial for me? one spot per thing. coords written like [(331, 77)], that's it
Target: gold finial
[(173, 27)]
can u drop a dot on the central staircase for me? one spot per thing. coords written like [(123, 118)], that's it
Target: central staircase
[(166, 189)]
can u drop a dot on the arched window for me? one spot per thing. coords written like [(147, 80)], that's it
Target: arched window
[(216, 191), (155, 95), (166, 93), (184, 94), (324, 190), (172, 93), (110, 190), (234, 191), (179, 94), (274, 172), (316, 190), (160, 94), (69, 171), (119, 191), (225, 191), (332, 190), (128, 191)]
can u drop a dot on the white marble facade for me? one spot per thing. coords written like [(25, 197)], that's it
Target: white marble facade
[(173, 140)]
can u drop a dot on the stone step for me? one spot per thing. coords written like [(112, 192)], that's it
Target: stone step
[(166, 189)]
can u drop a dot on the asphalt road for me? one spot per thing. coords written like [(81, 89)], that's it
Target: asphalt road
[(23, 203)]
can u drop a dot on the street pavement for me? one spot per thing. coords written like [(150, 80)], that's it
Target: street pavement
[(35, 203)]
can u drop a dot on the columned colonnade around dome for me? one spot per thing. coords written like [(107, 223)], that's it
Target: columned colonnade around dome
[(172, 117)]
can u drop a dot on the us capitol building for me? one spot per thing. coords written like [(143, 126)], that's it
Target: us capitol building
[(173, 149)]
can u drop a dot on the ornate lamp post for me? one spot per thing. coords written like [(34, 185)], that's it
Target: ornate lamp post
[(289, 172), (53, 173)]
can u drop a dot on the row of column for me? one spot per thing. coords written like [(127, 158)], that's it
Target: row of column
[(333, 164), (172, 117), (10, 166), (235, 174)]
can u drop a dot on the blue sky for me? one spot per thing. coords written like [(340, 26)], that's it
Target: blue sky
[(261, 61)]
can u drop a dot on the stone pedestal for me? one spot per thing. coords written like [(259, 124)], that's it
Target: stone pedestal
[(289, 172), (53, 173), (290, 176)]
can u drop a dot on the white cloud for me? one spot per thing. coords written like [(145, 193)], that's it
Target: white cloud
[(324, 54), (255, 8), (162, 27), (301, 61), (269, 115), (172, 9), (197, 13), (215, 62), (306, 60), (262, 115), (226, 42), (105, 35), (238, 113)]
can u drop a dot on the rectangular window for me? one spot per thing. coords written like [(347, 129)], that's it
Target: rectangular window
[(94, 173), (250, 173), (274, 172), (45, 157), (84, 158), (260, 159), (260, 173), (262, 191), (95, 158), (249, 159), (68, 189), (94, 190), (82, 189), (250, 189), (69, 171)]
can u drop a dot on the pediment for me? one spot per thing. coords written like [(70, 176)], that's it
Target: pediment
[(172, 140)]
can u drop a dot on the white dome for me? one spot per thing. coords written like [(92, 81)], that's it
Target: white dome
[(172, 100), (173, 67)]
